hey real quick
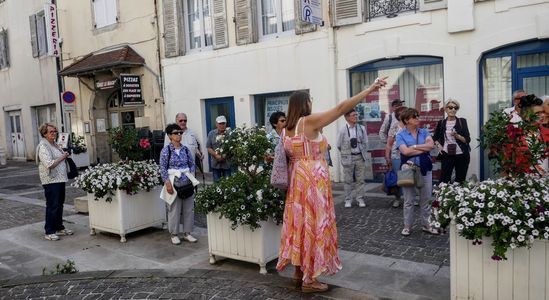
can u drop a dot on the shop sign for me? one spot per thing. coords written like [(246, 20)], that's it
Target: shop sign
[(105, 85), (130, 86), (52, 35)]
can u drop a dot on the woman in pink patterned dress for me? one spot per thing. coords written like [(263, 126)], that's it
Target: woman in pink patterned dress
[(309, 234)]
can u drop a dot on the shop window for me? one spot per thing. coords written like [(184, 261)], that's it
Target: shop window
[(417, 80), (523, 66), (276, 16), (105, 13), (266, 104)]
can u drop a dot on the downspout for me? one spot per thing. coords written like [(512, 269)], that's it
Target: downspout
[(332, 49), (159, 56)]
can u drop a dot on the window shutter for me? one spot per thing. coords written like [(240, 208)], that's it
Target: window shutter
[(34, 36), (300, 26), (99, 13), (172, 25), (426, 5), (347, 12), (220, 32), (41, 34), (4, 53), (111, 12), (246, 21)]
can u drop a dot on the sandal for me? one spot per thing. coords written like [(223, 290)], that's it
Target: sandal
[(315, 287), (430, 230), (405, 232)]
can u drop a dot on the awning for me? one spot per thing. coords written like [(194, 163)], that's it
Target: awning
[(102, 61)]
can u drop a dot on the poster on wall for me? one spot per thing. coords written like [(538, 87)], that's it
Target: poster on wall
[(374, 109), (274, 104)]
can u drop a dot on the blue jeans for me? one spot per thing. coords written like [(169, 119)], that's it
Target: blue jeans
[(219, 173), (55, 198)]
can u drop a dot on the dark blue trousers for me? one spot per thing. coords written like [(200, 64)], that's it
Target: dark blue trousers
[(55, 198)]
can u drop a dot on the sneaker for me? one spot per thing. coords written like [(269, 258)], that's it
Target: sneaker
[(65, 232), (189, 238), (361, 203), (348, 203), (51, 237), (430, 230), (175, 240), (396, 203), (405, 232)]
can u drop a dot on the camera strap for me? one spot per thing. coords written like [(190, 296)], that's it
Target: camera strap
[(356, 131)]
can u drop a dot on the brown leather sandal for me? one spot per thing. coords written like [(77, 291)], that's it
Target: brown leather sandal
[(315, 287)]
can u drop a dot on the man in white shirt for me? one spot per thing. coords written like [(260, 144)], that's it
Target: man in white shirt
[(189, 138), (514, 111), (352, 144), (389, 120)]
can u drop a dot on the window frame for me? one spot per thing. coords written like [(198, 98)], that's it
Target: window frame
[(187, 35), (5, 50), (279, 32), (107, 25)]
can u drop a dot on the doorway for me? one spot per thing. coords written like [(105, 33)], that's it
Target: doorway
[(17, 149), (219, 107)]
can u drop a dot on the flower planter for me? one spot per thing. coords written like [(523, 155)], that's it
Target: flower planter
[(126, 213), (259, 246), (474, 275), (81, 159)]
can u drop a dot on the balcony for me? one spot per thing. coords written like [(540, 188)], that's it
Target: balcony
[(389, 8)]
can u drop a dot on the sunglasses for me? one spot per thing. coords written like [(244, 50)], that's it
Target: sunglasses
[(452, 107), (282, 120), (177, 132), (182, 120)]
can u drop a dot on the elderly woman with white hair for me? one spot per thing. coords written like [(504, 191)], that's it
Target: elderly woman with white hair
[(452, 137)]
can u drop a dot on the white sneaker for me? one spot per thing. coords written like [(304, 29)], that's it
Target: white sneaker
[(348, 203), (189, 238), (361, 203), (175, 240), (51, 237), (65, 232)]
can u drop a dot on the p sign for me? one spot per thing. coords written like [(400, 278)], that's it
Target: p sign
[(311, 12)]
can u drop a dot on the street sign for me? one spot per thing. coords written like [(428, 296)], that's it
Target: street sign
[(311, 12), (69, 101)]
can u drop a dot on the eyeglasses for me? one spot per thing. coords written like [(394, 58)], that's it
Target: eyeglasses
[(416, 116), (55, 131), (452, 107), (182, 120), (177, 132)]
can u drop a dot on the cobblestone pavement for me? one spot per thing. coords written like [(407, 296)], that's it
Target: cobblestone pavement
[(15, 213), (375, 229), (156, 284)]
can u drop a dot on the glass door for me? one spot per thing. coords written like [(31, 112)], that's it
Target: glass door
[(219, 107), (16, 133)]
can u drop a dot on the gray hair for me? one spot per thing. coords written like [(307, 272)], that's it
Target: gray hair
[(43, 129), (515, 93), (180, 114), (545, 98), (451, 100)]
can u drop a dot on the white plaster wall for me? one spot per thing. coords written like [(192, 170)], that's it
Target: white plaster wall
[(425, 33), (28, 81)]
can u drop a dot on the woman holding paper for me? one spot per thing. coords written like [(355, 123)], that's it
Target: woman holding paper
[(176, 166)]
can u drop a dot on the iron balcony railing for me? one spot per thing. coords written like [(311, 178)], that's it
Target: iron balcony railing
[(390, 8)]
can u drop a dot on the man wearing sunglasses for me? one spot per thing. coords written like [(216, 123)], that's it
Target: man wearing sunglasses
[(188, 138), (514, 111)]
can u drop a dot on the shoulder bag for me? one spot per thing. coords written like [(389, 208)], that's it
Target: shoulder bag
[(184, 191), (279, 174)]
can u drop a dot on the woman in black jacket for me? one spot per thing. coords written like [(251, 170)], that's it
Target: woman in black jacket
[(452, 137)]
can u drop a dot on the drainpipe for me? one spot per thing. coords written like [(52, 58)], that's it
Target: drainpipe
[(161, 80), (332, 48)]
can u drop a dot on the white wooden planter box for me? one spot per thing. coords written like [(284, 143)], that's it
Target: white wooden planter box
[(474, 275), (259, 246), (81, 159), (126, 213)]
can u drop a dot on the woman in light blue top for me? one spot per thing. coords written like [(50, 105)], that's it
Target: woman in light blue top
[(415, 144)]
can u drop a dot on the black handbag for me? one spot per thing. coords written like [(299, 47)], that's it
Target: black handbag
[(185, 191), (72, 170)]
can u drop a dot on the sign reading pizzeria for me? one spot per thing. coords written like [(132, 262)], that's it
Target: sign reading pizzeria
[(131, 89)]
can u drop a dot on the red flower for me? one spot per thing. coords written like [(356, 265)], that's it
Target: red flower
[(435, 204), (144, 143)]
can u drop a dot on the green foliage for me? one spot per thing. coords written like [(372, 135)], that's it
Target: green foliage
[(78, 144), (69, 267), (246, 198), (126, 143), (513, 147)]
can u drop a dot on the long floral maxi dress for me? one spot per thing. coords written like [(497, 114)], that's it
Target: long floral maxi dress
[(309, 234)]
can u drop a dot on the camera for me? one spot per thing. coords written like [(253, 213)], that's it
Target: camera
[(354, 143), (529, 100)]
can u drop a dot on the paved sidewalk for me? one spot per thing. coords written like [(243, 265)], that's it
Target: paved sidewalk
[(377, 260)]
